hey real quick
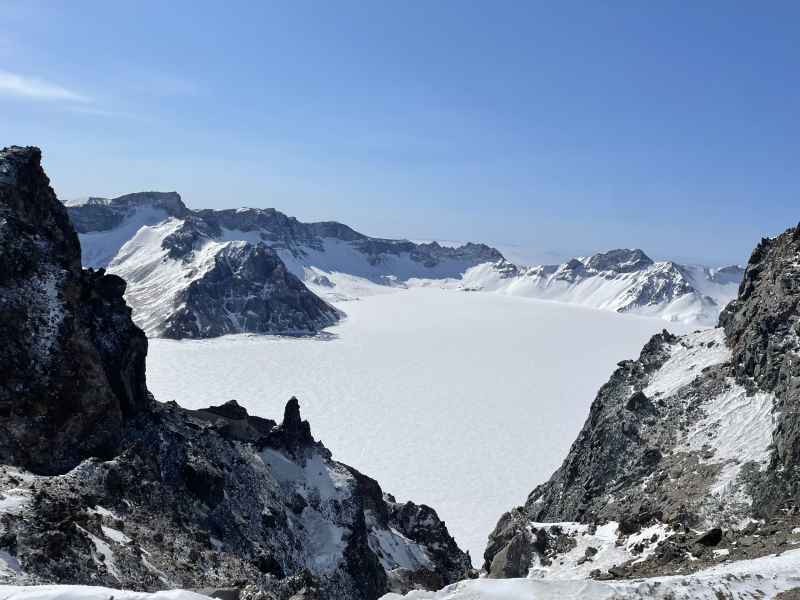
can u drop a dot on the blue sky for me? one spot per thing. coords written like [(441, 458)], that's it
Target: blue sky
[(561, 128)]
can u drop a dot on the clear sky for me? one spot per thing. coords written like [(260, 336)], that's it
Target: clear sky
[(563, 127)]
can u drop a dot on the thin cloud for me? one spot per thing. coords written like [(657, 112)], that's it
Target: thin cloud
[(12, 84)]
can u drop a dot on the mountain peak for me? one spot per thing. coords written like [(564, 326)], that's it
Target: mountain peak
[(621, 260), (15, 158)]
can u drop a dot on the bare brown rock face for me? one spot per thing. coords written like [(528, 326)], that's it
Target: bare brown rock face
[(72, 362)]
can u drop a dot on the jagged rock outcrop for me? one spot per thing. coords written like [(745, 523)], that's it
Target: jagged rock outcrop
[(71, 361), (700, 433), (100, 484)]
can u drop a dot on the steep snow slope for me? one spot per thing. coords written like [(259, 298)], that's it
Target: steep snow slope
[(618, 280), (460, 400), (105, 225), (99, 248)]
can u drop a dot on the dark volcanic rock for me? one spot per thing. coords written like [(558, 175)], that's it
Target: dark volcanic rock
[(248, 290), (71, 361), (712, 537), (621, 261), (762, 327)]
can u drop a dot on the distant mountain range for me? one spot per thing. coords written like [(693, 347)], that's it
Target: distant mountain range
[(204, 273), (626, 281)]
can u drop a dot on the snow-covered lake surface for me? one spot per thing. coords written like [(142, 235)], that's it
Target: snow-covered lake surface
[(463, 401)]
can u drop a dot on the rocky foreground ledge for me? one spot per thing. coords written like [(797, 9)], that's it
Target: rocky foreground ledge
[(102, 485)]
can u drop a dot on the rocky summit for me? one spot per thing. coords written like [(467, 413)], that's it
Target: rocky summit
[(688, 456), (100, 484)]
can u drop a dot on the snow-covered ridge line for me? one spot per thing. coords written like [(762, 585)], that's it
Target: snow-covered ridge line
[(269, 226), (625, 281), (338, 263), (203, 273)]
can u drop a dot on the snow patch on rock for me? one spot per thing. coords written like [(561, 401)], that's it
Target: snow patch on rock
[(692, 354)]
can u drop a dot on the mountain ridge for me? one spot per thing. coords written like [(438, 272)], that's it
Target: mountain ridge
[(621, 280), (252, 265), (337, 263)]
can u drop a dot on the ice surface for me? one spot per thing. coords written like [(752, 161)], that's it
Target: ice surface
[(87, 592), (462, 401), (757, 578)]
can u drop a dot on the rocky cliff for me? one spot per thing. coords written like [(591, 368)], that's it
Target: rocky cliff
[(688, 455), (100, 484), (71, 361)]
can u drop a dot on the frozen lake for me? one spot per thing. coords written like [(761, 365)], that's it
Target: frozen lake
[(463, 401)]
